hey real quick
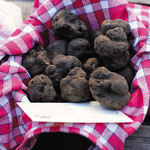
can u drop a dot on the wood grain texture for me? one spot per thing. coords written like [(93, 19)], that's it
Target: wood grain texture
[(146, 2), (140, 140)]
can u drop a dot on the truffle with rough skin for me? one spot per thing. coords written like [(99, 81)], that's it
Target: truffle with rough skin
[(55, 48), (67, 25), (128, 73), (90, 65), (116, 62), (109, 88), (64, 64), (40, 89), (110, 24), (35, 60), (52, 72), (117, 34), (80, 48), (75, 87), (114, 54)]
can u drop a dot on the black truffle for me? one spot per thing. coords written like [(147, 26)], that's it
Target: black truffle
[(55, 48), (74, 87), (52, 72), (65, 63), (128, 73), (80, 48), (109, 88), (40, 89), (67, 25), (90, 65), (35, 61), (110, 24), (114, 54), (117, 34)]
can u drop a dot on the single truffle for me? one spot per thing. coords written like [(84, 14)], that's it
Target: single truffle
[(128, 73), (109, 88), (52, 72), (110, 24), (35, 61), (40, 89), (55, 48), (67, 25), (114, 54), (116, 62), (74, 87), (117, 34), (79, 48), (90, 65), (65, 63)]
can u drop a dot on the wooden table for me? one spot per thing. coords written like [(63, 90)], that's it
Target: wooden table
[(140, 140)]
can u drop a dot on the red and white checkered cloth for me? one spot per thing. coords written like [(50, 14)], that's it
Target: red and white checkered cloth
[(17, 131)]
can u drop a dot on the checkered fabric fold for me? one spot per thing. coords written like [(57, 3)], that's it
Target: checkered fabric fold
[(17, 131)]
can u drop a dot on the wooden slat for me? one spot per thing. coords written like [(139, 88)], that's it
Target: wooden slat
[(145, 2), (140, 140)]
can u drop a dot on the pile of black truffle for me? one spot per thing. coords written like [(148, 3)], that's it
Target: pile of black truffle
[(82, 66)]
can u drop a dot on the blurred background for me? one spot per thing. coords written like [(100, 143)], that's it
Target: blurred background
[(26, 6)]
